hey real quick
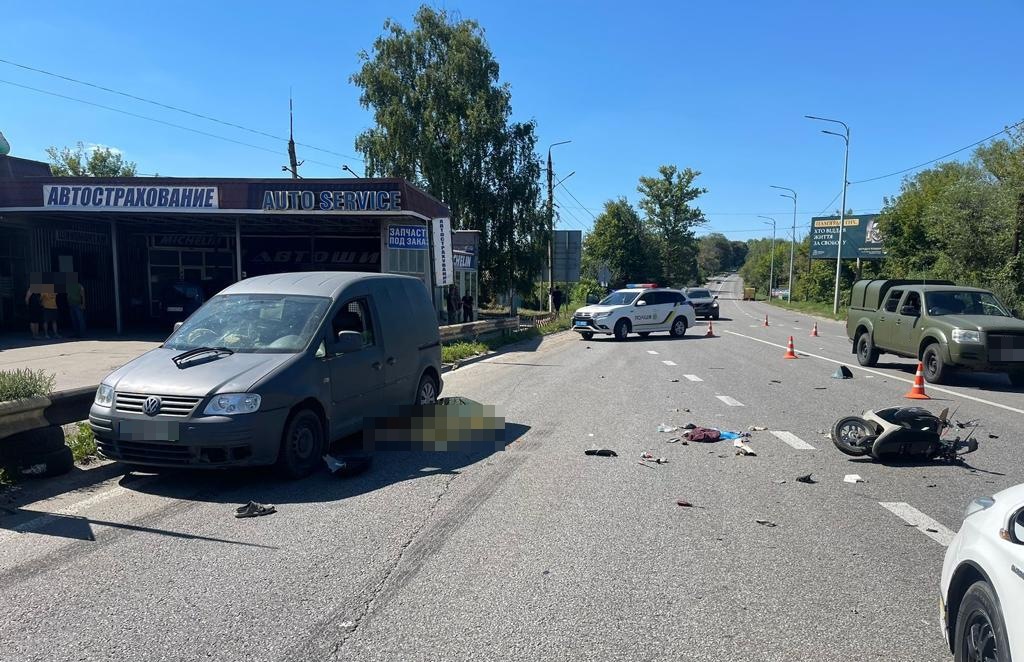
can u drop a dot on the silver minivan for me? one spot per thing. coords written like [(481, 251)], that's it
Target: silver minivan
[(270, 370)]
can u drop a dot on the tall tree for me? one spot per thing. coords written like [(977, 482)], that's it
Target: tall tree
[(671, 219), (89, 162), (620, 240), (442, 121), (714, 254)]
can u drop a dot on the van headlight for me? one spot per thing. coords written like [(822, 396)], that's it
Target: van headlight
[(233, 403), (105, 395), (963, 335)]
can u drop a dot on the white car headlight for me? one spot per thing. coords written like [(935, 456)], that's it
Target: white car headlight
[(978, 505), (601, 316), (105, 395), (233, 403), (963, 335)]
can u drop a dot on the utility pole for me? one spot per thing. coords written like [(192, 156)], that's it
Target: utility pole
[(291, 140), (551, 226), (842, 210), (771, 273), (792, 245)]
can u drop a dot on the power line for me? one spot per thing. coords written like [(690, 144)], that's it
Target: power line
[(944, 156), (577, 200), (175, 108), (578, 222), (153, 119)]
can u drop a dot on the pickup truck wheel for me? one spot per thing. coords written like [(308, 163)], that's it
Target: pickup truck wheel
[(935, 371), (1016, 378), (867, 355), (621, 330), (302, 445), (587, 335)]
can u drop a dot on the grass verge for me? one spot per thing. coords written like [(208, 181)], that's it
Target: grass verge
[(464, 349), (82, 443)]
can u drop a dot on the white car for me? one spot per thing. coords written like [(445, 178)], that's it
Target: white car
[(982, 598), (641, 309)]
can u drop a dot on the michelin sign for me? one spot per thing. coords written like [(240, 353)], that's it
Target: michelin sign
[(64, 196)]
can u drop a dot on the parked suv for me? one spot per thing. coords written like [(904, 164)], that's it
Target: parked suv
[(270, 370), (637, 309)]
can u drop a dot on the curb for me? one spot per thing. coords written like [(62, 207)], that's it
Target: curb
[(511, 347)]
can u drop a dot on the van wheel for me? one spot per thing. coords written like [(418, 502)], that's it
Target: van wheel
[(867, 355), (587, 335), (935, 371), (678, 328), (621, 329), (302, 445), (426, 392)]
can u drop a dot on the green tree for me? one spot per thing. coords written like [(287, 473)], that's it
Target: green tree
[(621, 240), (739, 255), (89, 162), (670, 219), (714, 254)]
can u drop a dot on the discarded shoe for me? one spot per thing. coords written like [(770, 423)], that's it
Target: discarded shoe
[(253, 509), (806, 479)]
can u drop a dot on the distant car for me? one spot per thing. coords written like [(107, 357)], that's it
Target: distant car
[(704, 303), (638, 309), (179, 299), (982, 588)]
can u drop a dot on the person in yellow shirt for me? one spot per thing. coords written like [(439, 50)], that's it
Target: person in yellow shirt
[(44, 288)]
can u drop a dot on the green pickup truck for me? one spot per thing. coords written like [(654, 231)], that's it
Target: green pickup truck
[(942, 325)]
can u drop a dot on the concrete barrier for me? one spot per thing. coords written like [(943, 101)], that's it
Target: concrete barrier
[(58, 408), (469, 330)]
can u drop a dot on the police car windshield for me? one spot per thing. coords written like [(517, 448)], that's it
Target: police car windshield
[(263, 323), (620, 298)]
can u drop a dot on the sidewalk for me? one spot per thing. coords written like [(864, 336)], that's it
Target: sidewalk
[(73, 362)]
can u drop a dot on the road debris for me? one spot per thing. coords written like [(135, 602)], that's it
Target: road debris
[(602, 452), (806, 478), (684, 504), (348, 466), (253, 509), (664, 427), (757, 428), (673, 380), (853, 478), (993, 436), (743, 449), (766, 522), (779, 482), (703, 434), (775, 381), (842, 372), (676, 440), (930, 530)]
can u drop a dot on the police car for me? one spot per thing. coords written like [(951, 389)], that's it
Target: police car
[(640, 308)]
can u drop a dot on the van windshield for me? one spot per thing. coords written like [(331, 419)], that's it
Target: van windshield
[(268, 323)]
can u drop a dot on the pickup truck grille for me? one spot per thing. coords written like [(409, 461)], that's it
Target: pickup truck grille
[(180, 406), (1005, 348)]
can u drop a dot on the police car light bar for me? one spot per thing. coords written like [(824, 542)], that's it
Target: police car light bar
[(640, 286)]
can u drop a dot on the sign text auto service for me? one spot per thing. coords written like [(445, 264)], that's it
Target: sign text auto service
[(332, 200)]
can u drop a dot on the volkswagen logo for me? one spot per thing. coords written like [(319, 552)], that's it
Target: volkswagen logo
[(151, 407)]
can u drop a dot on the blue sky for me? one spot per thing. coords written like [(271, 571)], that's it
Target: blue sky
[(719, 87)]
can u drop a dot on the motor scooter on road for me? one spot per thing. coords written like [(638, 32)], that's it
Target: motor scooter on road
[(902, 433)]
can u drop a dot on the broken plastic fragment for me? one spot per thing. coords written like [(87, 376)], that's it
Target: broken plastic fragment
[(766, 522), (684, 504), (667, 428), (757, 428), (852, 478), (806, 479)]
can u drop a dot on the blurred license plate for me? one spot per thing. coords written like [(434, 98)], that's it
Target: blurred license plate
[(580, 323), (148, 430)]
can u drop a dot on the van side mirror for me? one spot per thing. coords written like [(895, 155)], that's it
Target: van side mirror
[(177, 325), (347, 342)]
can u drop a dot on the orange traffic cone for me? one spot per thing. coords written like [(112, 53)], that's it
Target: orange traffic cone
[(765, 321), (790, 354), (711, 331), (917, 392), (814, 331)]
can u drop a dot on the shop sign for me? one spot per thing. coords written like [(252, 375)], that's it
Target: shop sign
[(63, 196), (464, 261), (189, 241), (411, 237), (444, 270), (330, 200), (81, 237)]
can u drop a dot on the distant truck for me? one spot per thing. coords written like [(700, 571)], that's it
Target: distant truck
[(944, 326)]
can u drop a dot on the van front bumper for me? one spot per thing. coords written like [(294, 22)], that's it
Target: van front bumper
[(205, 441)]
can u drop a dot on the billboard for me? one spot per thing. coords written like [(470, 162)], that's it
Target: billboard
[(444, 267), (567, 246), (861, 237)]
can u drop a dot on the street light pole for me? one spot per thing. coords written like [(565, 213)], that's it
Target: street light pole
[(551, 225), (771, 273), (842, 210), (792, 245)]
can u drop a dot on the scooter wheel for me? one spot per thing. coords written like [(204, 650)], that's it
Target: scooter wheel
[(853, 436)]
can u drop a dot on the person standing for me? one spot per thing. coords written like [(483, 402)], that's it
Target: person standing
[(467, 308), (556, 299), (76, 305), (452, 301), (35, 306), (48, 299)]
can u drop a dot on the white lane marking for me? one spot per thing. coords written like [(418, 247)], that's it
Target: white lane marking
[(651, 351), (669, 362), (887, 375), (48, 518), (852, 478), (693, 378), (922, 522), (732, 402), (792, 440)]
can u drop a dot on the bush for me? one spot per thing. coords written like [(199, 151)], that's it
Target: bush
[(82, 443), (25, 383)]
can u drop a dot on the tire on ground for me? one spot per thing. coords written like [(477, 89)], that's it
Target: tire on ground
[(43, 465), (31, 443)]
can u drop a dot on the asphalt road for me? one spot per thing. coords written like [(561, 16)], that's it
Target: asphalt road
[(537, 551)]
